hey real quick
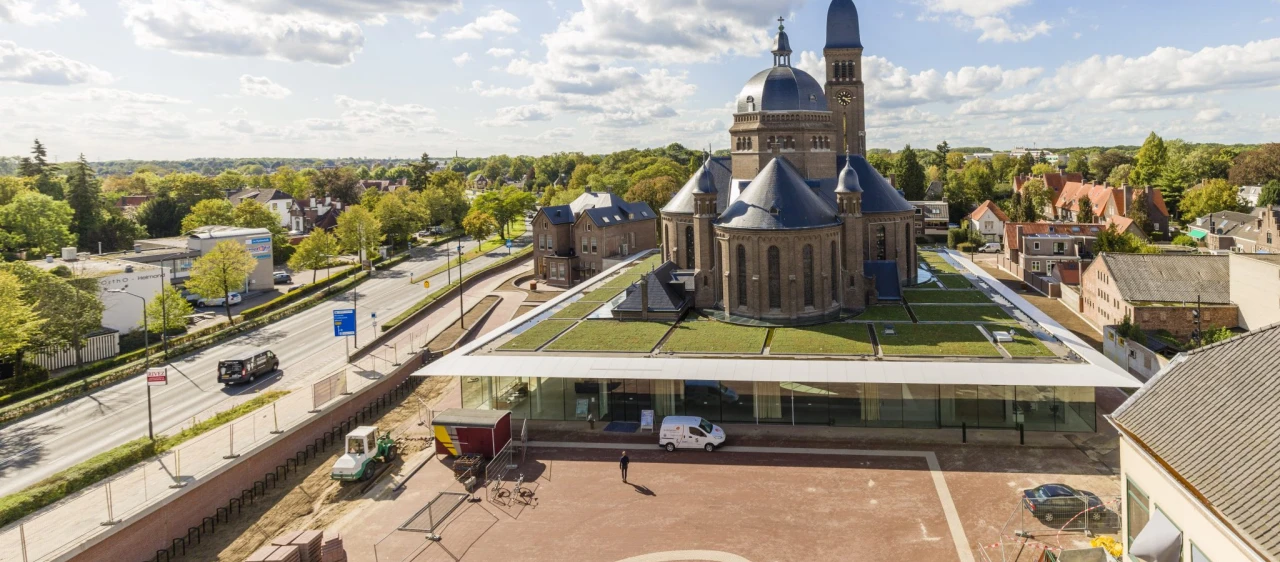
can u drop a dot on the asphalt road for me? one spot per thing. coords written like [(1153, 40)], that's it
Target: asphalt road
[(37, 447)]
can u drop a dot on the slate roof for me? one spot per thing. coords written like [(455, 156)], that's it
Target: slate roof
[(1170, 277), (1210, 419), (878, 195), (666, 293), (988, 206), (716, 174), (783, 88), (1230, 223), (886, 275), (779, 198), (842, 26), (621, 212), (558, 214), (263, 196)]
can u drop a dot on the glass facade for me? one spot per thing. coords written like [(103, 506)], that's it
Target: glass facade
[(1040, 408)]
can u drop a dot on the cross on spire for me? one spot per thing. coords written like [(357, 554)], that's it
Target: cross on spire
[(780, 26)]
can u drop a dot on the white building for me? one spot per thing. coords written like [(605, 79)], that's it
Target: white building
[(1198, 456), (1255, 288), (120, 311), (989, 221)]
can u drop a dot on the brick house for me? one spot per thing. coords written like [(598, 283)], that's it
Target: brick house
[(1159, 291), (989, 221), (1249, 233), (1107, 201), (1036, 248), (576, 241)]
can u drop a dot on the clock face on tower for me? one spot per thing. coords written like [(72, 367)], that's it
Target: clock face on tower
[(844, 97)]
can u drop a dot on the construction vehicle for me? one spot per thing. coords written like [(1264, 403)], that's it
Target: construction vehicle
[(365, 450)]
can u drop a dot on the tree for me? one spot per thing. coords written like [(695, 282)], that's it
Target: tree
[(84, 195), (117, 232), (505, 206), (955, 160), (478, 224), (1002, 164), (10, 187), (359, 232), (252, 214), (398, 221), (1041, 169), (420, 172), (1103, 163), (314, 252), (1078, 163), (19, 324), (168, 311), (160, 217), (581, 176), (341, 184), (1270, 194), (1212, 196), (1120, 175), (1138, 211), (1174, 181), (979, 181), (35, 221), (1026, 163), (209, 212), (1205, 163), (1258, 166), (910, 175), (1085, 212), (944, 153), (654, 191), (1150, 163), (1110, 240), (188, 189), (222, 271), (881, 161), (1037, 195)]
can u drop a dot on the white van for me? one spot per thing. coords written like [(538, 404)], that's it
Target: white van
[(689, 432)]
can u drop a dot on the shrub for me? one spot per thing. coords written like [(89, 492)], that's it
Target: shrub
[(966, 247), (1185, 240), (289, 298)]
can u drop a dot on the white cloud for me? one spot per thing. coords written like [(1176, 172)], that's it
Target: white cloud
[(28, 12), (501, 53), (424, 34), (18, 64), (991, 17), (1151, 103), (1212, 115), (1021, 103), (889, 85), (262, 87), (520, 115), (499, 22), (462, 60), (1169, 70), (113, 95)]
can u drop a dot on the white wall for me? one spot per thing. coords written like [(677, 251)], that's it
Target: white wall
[(1255, 288), (1197, 524), (124, 312)]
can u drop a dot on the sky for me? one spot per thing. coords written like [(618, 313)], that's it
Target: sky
[(173, 79)]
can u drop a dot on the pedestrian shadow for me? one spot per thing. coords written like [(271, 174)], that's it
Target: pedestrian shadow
[(643, 490)]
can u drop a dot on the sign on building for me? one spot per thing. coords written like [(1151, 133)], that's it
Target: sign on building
[(259, 248)]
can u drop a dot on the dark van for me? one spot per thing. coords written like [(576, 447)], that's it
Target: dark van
[(247, 366)]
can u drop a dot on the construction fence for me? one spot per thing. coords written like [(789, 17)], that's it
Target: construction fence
[(1037, 529)]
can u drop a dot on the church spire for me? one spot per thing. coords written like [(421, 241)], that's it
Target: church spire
[(782, 47)]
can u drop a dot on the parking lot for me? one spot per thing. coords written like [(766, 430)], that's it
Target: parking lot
[(754, 504)]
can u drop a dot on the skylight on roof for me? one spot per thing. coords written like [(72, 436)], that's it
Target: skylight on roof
[(606, 219), (617, 218)]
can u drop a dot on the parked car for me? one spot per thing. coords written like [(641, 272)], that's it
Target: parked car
[(190, 296), (1060, 502), (990, 248), (247, 366), (233, 299), (282, 277), (689, 432)]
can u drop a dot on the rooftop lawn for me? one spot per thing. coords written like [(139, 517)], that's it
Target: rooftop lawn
[(960, 313), (710, 336), (611, 335), (885, 313), (577, 310), (949, 340), (937, 262), (602, 294), (924, 296), (953, 281), (837, 338), (1026, 346), (536, 336)]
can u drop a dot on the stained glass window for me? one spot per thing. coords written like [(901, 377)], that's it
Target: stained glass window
[(775, 278), (807, 257), (688, 247), (742, 275)]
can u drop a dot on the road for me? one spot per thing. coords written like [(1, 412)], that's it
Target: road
[(39, 446)]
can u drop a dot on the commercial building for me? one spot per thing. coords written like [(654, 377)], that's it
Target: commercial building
[(1197, 456), (576, 241), (179, 253), (121, 312), (1159, 292)]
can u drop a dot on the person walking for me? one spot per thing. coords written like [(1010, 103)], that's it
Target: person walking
[(622, 463)]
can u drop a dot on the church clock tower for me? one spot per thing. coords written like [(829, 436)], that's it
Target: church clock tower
[(844, 86)]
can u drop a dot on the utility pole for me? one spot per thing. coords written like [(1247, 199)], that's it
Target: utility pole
[(461, 310), (146, 353)]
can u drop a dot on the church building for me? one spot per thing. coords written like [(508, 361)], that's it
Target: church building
[(796, 226)]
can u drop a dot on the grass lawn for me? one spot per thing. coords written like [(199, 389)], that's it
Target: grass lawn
[(836, 338), (885, 313), (577, 310), (515, 229), (925, 296), (951, 340), (937, 262), (953, 281), (536, 336), (1026, 346), (603, 294), (711, 336), (960, 313), (611, 335)]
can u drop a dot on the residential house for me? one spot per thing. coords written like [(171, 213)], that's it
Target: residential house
[(1033, 249), (1197, 456), (1107, 201), (933, 218), (320, 213), (1055, 181), (282, 204), (576, 241), (1250, 193), (1255, 288), (1159, 292), (989, 221), (1142, 359), (1230, 231), (385, 186)]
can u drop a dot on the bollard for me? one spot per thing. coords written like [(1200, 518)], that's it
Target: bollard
[(232, 437), (275, 420), (1022, 434), (964, 432), (177, 470)]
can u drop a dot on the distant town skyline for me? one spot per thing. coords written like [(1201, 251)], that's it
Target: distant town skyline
[(176, 79)]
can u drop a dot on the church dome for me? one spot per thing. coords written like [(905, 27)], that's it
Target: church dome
[(782, 88), (778, 198), (842, 26)]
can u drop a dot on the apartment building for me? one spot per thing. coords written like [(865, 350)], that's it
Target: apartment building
[(576, 241)]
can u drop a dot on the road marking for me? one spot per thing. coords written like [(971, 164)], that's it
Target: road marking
[(683, 555), (963, 550)]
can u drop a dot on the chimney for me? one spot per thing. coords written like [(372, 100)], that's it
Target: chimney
[(1128, 196), (644, 297)]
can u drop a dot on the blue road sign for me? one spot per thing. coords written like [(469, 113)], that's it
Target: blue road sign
[(344, 322), (508, 243)]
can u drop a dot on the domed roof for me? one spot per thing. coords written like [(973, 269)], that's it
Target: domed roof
[(842, 26), (782, 88), (848, 180), (778, 198)]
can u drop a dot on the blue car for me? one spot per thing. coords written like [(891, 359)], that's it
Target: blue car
[(1060, 502)]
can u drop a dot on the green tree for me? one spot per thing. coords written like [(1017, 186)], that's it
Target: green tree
[(478, 224), (1150, 163), (160, 217), (955, 160), (1003, 165), (1036, 199), (314, 252), (222, 271), (117, 232), (168, 311), (210, 212), (398, 220), (505, 206), (84, 195), (341, 184), (359, 232), (188, 189), (944, 156), (1102, 164), (38, 222), (581, 176), (1112, 241), (1078, 163), (1211, 197), (654, 191), (881, 161), (979, 181), (10, 187), (1085, 212), (910, 175), (1025, 164), (1207, 162), (1258, 166), (1042, 169), (1120, 175), (19, 324), (1270, 194), (1138, 211), (420, 172)]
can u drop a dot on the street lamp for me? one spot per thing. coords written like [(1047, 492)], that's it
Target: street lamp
[(146, 351), (461, 310)]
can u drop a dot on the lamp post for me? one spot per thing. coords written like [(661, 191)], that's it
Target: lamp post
[(146, 351), (461, 310)]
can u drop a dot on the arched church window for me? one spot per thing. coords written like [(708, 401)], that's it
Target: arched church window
[(742, 275), (791, 142), (880, 248), (835, 284), (775, 278), (807, 264), (813, 141), (688, 247)]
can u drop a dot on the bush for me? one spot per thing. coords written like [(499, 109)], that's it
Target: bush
[(955, 236), (966, 247), (1185, 240), (289, 298), (392, 261)]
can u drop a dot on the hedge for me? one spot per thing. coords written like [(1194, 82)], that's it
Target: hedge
[(393, 261), (288, 298), (436, 295), (104, 465)]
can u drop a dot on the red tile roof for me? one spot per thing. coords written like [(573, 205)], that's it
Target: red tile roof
[(1028, 228), (1053, 181), (985, 206)]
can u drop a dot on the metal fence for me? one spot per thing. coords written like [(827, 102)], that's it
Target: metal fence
[(498, 467), (431, 516), (1039, 526)]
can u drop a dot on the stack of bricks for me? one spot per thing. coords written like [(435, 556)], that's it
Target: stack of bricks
[(276, 553), (308, 543), (332, 549)]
